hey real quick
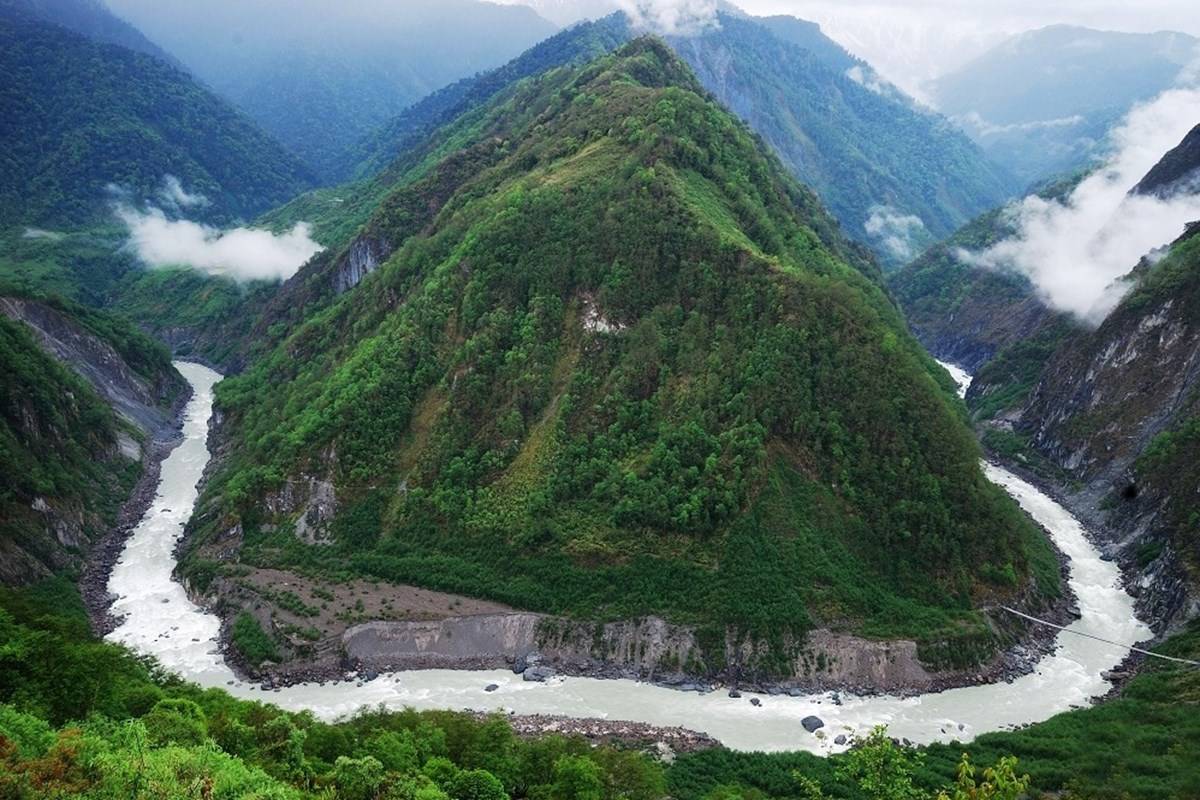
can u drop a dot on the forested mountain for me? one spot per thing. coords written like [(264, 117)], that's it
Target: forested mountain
[(873, 157), (1043, 101), (90, 18), (893, 175), (613, 362), (320, 79), (79, 118), (82, 397)]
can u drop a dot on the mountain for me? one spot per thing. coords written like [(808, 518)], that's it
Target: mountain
[(90, 18), (613, 363), (1177, 173), (84, 397), (81, 117), (894, 175), (320, 77), (1042, 102), (1106, 413)]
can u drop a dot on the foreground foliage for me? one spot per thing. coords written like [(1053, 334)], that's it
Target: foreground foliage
[(83, 718)]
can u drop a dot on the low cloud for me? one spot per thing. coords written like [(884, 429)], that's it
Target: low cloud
[(174, 195), (867, 79), (899, 234), (672, 17), (40, 233), (1078, 250), (244, 254)]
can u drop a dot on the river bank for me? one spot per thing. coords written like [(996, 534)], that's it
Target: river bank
[(161, 620)]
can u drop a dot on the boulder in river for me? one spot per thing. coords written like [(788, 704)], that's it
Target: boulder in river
[(538, 674), (734, 693), (491, 687), (839, 739), (754, 701), (811, 723)]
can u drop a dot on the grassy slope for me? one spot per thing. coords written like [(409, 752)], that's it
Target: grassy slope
[(761, 413)]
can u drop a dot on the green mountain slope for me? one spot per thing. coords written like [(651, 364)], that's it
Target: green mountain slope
[(619, 364), (78, 116), (320, 77), (864, 147), (82, 394)]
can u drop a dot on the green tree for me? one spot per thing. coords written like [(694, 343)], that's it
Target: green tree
[(882, 769), (577, 778), (176, 722)]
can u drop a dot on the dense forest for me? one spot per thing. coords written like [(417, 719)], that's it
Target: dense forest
[(636, 371), (82, 119)]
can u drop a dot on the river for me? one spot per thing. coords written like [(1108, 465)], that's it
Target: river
[(159, 620)]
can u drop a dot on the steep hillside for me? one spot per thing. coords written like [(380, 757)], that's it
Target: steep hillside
[(1118, 411), (613, 364), (84, 397), (93, 19), (868, 154), (1043, 101), (989, 321), (320, 77), (1177, 173), (79, 117)]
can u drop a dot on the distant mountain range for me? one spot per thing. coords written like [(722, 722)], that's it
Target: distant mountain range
[(318, 81), (1043, 102), (85, 121)]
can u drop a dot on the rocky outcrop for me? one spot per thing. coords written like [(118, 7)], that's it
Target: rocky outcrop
[(140, 401), (540, 646), (361, 259), (1103, 400)]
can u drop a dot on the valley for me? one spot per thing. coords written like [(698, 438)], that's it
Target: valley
[(159, 618), (615, 400)]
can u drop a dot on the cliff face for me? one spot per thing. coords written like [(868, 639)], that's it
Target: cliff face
[(1117, 409), (76, 420)]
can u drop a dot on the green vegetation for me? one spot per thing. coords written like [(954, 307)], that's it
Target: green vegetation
[(79, 116), (636, 371), (58, 442), (83, 718), (252, 641)]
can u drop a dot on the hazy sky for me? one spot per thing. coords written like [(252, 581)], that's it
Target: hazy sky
[(911, 41)]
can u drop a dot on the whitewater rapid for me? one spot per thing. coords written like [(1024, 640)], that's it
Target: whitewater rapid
[(159, 620)]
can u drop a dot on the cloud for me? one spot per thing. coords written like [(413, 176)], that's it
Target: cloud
[(867, 79), (899, 234), (672, 17), (173, 194), (1077, 250), (243, 254), (40, 233)]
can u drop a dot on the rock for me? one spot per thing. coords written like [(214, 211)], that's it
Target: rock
[(734, 693), (491, 687), (538, 674), (836, 699), (754, 701), (840, 739), (519, 665), (811, 723), (795, 691)]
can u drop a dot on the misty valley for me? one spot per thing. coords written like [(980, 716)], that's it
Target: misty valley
[(599, 400)]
